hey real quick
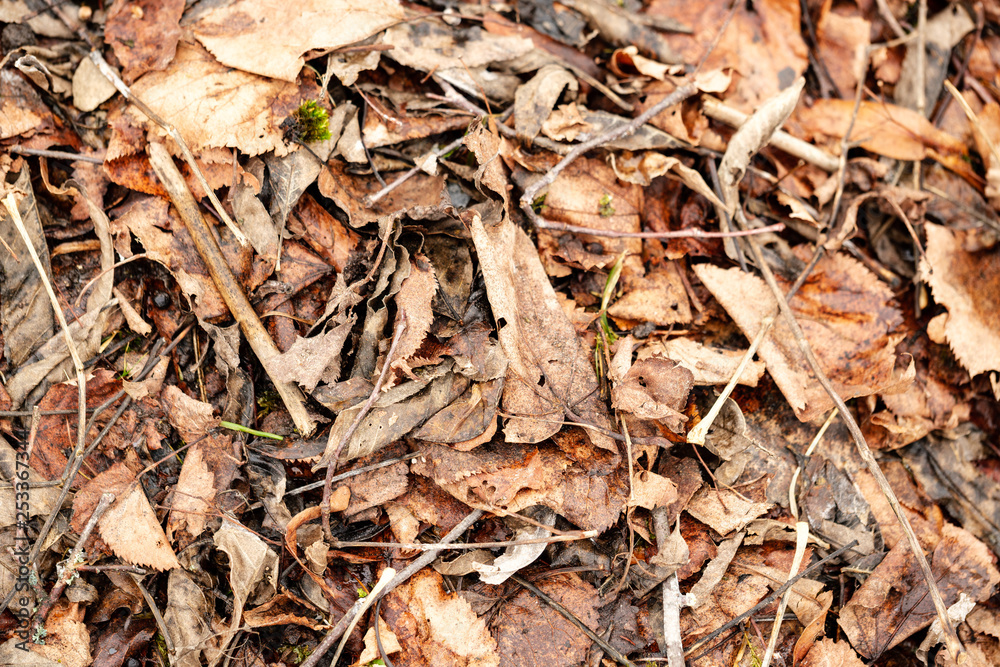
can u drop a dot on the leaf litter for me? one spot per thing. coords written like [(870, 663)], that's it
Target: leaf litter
[(518, 320)]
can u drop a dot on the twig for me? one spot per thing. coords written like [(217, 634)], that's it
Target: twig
[(615, 654), (886, 13), (570, 536), (680, 94), (75, 462), (418, 564), (364, 603), (69, 570), (11, 205), (110, 75), (951, 638), (698, 434), (692, 233), (57, 155), (793, 506), (373, 199), (921, 77), (794, 146), (778, 592), (801, 538), (232, 293), (331, 466), (160, 623)]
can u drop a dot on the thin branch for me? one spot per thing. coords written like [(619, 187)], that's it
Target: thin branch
[(110, 75), (57, 155), (680, 94), (571, 536), (69, 570), (230, 289), (951, 638), (693, 233)]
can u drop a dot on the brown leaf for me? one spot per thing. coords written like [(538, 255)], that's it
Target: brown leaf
[(728, 510), (414, 303), (348, 192), (843, 38), (67, 640), (213, 105), (132, 531), (893, 603), (207, 472), (847, 316), (652, 388), (535, 100), (881, 128), (532, 632), (832, 653), (242, 34), (190, 417), (435, 627), (549, 367), (968, 285), (143, 34), (762, 44), (511, 478)]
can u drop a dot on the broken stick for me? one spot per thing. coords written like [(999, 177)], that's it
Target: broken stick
[(225, 281)]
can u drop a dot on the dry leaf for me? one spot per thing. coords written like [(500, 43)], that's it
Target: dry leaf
[(191, 418), (847, 316), (132, 531), (435, 627), (968, 285), (241, 34), (213, 105)]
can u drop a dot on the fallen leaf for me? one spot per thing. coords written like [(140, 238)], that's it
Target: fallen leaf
[(511, 478), (831, 653), (847, 316), (882, 128), (727, 510), (191, 418), (143, 34), (213, 105), (530, 631), (893, 603), (968, 285), (434, 627), (241, 34), (133, 532)]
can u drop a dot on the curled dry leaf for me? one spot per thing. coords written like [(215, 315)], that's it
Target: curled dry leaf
[(708, 365), (653, 388), (534, 101)]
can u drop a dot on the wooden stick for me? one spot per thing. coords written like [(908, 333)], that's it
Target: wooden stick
[(225, 281)]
